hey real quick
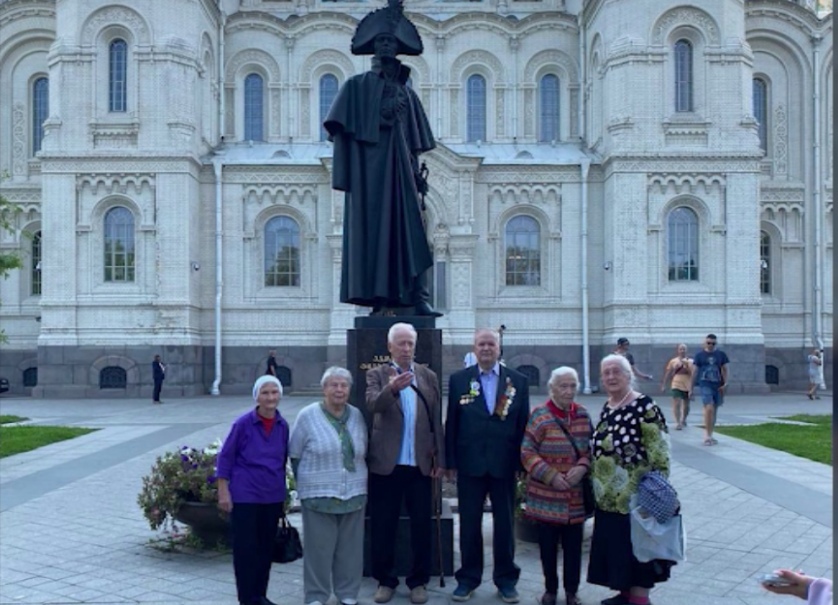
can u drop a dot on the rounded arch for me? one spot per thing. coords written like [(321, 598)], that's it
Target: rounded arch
[(272, 212), (695, 204), (529, 210), (418, 66), (252, 59), (477, 61), (682, 19), (111, 19), (317, 62), (551, 61), (112, 201), (132, 369)]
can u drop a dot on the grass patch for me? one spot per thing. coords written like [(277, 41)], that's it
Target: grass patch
[(19, 439), (8, 418), (812, 442)]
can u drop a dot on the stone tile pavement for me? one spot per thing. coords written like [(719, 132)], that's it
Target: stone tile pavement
[(71, 531)]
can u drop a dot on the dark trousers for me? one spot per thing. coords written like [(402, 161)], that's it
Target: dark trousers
[(254, 528), (158, 384), (549, 536), (386, 494), (471, 494)]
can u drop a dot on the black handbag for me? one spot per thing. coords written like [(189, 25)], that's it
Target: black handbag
[(287, 544), (587, 484)]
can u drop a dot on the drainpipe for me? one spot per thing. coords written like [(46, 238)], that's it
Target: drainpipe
[(817, 295), (221, 92), (584, 165), (217, 165)]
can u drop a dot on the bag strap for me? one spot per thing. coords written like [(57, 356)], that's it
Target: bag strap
[(569, 437)]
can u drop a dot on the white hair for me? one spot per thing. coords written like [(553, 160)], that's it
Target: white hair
[(262, 381), (401, 326), (621, 361), (335, 372), (563, 371)]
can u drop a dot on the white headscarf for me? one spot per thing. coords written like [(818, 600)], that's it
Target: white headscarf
[(262, 381)]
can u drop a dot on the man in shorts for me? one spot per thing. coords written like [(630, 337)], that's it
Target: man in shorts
[(711, 376)]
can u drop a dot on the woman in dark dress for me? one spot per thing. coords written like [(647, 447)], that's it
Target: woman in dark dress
[(629, 440)]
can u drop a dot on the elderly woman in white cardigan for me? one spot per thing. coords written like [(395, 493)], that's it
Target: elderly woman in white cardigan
[(328, 447)]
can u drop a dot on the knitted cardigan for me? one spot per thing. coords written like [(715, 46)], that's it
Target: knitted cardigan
[(545, 452), (315, 443)]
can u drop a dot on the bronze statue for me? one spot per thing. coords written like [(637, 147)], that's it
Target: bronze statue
[(379, 128)]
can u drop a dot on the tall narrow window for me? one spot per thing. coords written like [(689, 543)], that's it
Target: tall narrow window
[(254, 102), (683, 76), (764, 263), (682, 235), (119, 245), (282, 252), (523, 252), (760, 93), (476, 108), (548, 93), (36, 264), (118, 76), (40, 112), (328, 92)]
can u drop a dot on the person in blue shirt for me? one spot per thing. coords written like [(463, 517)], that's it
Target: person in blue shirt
[(711, 376), (251, 488)]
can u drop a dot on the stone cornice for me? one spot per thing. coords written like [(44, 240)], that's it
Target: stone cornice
[(12, 10), (785, 10)]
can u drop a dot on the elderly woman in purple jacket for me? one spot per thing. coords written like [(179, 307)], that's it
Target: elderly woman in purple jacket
[(251, 487)]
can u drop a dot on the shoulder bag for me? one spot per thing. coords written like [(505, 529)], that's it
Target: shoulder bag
[(587, 485), (287, 544)]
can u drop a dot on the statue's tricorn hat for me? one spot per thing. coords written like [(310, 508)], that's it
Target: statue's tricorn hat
[(387, 20)]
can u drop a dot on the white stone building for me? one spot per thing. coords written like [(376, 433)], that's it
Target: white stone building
[(643, 168)]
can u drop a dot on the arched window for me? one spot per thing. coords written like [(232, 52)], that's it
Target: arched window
[(760, 93), (118, 76), (328, 92), (683, 76), (254, 103), (36, 264), (523, 252), (682, 235), (113, 377), (764, 263), (548, 94), (282, 252), (30, 377), (119, 245), (40, 111), (476, 108)]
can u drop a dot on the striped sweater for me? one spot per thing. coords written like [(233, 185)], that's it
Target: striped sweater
[(545, 452)]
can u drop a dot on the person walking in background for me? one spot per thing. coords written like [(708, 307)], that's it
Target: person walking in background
[(629, 440), (815, 363), (158, 371), (815, 591), (623, 349), (328, 449), (710, 374), (406, 452), (488, 409), (680, 369), (556, 456), (251, 487), (273, 367)]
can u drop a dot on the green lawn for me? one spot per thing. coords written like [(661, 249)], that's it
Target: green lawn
[(19, 439), (8, 418), (812, 442)]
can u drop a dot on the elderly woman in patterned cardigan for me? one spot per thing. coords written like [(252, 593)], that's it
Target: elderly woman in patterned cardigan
[(328, 448), (629, 440), (554, 481)]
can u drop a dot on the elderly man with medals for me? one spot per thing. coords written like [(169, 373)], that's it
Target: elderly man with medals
[(379, 128)]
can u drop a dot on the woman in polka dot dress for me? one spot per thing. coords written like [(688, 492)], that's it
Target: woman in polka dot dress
[(629, 440)]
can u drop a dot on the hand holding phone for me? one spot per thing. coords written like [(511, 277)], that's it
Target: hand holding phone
[(785, 581), (774, 579)]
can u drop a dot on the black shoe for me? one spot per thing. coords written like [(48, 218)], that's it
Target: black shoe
[(617, 599), (424, 309), (265, 601)]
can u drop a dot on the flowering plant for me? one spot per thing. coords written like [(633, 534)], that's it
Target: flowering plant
[(184, 475), (187, 475)]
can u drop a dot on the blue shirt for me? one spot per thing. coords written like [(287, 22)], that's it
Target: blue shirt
[(489, 383), (253, 462), (407, 452)]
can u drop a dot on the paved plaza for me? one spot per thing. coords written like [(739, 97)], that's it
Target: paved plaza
[(71, 530)]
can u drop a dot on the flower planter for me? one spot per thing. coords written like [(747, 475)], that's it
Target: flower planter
[(526, 530), (208, 524)]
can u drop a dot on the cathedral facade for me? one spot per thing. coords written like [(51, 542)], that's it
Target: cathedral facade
[(650, 169)]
